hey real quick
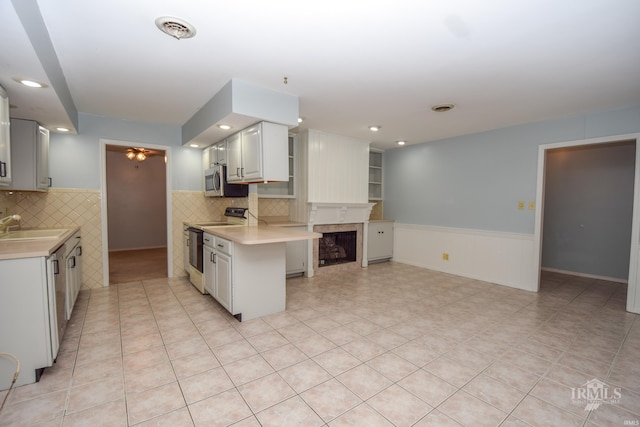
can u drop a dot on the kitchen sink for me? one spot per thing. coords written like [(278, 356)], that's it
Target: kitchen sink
[(50, 233)]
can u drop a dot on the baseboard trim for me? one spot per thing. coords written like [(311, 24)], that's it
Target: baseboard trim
[(586, 275)]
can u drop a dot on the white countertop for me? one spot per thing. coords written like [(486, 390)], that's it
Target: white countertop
[(14, 249), (261, 234)]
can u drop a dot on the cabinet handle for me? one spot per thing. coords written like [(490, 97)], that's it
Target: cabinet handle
[(79, 251), (242, 171), (3, 169), (238, 172), (50, 182), (56, 268), (213, 257), (72, 262), (207, 240), (220, 245), (188, 242)]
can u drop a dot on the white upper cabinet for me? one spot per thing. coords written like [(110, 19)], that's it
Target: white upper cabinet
[(284, 189), (234, 157), (5, 138), (259, 153), (220, 149), (30, 156)]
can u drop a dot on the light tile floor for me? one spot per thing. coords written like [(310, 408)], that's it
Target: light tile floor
[(391, 345)]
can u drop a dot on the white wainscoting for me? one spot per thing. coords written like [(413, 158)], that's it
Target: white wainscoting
[(497, 257)]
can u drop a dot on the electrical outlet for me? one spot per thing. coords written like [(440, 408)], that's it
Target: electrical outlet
[(521, 205), (445, 257)]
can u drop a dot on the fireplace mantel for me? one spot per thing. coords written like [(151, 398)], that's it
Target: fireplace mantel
[(339, 213)]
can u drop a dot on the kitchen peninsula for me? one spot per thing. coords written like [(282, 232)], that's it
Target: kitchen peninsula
[(244, 267)]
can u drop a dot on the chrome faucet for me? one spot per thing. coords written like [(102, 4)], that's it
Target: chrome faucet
[(4, 222)]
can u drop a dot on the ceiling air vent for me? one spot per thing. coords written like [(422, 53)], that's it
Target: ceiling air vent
[(175, 27)]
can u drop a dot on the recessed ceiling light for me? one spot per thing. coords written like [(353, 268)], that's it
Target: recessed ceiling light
[(61, 129), (30, 83), (175, 27), (194, 145), (375, 128), (442, 108), (224, 127), (401, 142)]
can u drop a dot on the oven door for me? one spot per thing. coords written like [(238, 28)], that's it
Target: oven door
[(195, 248), (213, 180)]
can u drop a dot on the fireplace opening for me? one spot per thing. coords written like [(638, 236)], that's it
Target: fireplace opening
[(337, 247)]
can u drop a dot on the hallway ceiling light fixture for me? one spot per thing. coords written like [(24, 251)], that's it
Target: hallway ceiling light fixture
[(136, 153), (375, 128), (175, 27), (401, 142), (224, 126)]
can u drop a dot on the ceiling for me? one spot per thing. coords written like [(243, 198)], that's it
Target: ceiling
[(351, 63)]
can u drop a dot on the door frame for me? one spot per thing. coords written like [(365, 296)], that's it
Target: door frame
[(103, 201), (633, 280)]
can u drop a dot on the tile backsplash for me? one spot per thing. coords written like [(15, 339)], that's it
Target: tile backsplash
[(64, 207), (67, 207)]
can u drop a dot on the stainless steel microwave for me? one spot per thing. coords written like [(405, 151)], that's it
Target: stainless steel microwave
[(216, 185)]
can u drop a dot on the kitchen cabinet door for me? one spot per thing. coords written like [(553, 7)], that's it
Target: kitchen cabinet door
[(74, 273), (252, 153), (209, 267), (234, 157), (221, 153), (296, 255), (42, 159), (30, 156), (223, 278), (380, 245), (5, 137)]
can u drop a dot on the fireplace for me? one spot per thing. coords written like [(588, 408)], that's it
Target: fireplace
[(340, 247), (334, 219), (337, 247)]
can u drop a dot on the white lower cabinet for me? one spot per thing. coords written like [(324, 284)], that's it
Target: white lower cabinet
[(380, 241), (208, 267), (29, 315), (247, 280), (74, 272), (296, 255), (217, 274), (224, 291), (37, 295)]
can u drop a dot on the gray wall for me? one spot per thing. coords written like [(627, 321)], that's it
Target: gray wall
[(475, 181), (588, 209), (75, 159)]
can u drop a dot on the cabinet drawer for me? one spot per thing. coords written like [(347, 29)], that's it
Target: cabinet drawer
[(208, 240), (223, 245)]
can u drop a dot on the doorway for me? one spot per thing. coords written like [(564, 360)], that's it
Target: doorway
[(632, 255), (135, 198)]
